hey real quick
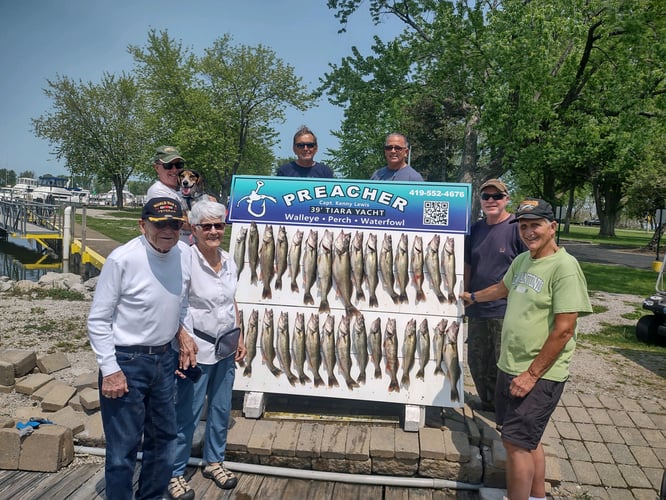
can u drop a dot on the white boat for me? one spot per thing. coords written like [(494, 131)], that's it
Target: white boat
[(24, 187), (54, 189)]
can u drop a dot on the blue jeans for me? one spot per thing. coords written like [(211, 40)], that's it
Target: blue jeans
[(147, 411), (216, 382)]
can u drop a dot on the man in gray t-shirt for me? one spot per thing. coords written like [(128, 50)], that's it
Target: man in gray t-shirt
[(396, 151)]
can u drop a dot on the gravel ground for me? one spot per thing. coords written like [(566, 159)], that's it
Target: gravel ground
[(47, 325)]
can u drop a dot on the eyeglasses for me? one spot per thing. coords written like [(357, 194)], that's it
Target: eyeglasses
[(393, 147), (219, 226), (177, 164), (494, 196), (302, 145), (171, 224)]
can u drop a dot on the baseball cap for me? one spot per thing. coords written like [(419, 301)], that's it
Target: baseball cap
[(496, 183), (167, 154), (158, 209), (534, 208)]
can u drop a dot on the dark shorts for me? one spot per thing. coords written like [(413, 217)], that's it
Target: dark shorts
[(523, 420)]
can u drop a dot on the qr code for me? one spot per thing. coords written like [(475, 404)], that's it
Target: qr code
[(435, 213)]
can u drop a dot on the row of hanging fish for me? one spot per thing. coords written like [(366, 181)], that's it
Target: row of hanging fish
[(349, 262), (330, 346)]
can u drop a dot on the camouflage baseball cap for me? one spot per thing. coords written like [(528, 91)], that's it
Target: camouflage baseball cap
[(167, 154), (496, 183)]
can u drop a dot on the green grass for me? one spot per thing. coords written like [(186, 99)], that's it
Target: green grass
[(629, 238), (619, 279)]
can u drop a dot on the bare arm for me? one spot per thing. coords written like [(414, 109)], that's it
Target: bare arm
[(493, 292), (562, 332), (188, 349)]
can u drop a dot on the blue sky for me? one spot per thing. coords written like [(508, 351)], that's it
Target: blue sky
[(81, 39)]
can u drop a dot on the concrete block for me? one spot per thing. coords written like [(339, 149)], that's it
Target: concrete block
[(286, 438), (382, 442), (6, 389), (261, 441), (10, 446), (239, 434), (89, 399), (309, 440), (67, 417), (24, 361), (457, 446), (39, 394), (334, 441), (87, 379), (6, 373), (358, 442), (406, 445), (75, 403), (47, 449), (51, 363), (58, 397), (395, 466), (6, 423), (432, 444), (24, 413), (93, 434), (31, 383)]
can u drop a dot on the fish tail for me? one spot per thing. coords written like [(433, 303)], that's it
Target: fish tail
[(403, 298), (351, 383), (294, 286), (352, 311), (440, 297), (419, 374), (275, 371), (278, 283), (253, 276), (439, 371), (405, 380), (394, 297), (248, 371), (332, 381), (394, 386), (360, 295), (373, 301), (420, 296), (303, 379), (292, 378), (454, 393), (452, 297), (378, 372), (361, 377), (307, 298), (266, 293), (318, 380), (324, 307)]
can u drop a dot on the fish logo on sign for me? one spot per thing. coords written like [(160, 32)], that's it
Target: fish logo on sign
[(254, 198)]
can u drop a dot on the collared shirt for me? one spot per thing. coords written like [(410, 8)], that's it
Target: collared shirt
[(211, 301)]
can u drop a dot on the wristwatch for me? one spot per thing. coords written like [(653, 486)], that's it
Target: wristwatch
[(472, 297)]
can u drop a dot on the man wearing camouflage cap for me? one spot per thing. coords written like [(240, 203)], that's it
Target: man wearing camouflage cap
[(168, 163)]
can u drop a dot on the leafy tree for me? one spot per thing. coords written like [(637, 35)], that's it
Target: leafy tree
[(96, 128), (218, 108), (557, 93)]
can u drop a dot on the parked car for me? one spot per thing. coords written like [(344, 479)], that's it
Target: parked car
[(592, 222)]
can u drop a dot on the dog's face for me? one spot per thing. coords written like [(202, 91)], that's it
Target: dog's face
[(191, 183)]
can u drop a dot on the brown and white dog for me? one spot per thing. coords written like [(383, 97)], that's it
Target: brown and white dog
[(192, 186)]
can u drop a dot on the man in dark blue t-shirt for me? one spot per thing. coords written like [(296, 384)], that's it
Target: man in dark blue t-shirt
[(305, 148), (490, 248)]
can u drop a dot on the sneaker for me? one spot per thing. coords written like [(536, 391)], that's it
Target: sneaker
[(222, 477), (179, 489)]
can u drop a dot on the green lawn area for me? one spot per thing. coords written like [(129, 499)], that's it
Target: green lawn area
[(630, 238)]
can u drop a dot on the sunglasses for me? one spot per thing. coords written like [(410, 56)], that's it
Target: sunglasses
[(393, 147), (177, 164), (494, 196), (171, 224), (301, 145), (219, 226)]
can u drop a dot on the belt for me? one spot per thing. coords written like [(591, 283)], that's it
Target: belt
[(144, 349)]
